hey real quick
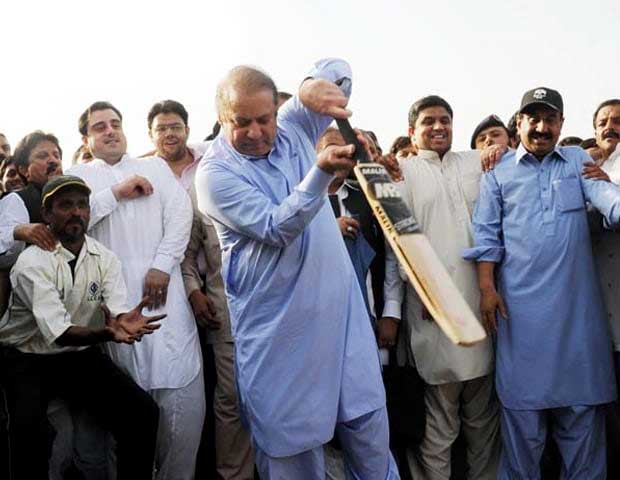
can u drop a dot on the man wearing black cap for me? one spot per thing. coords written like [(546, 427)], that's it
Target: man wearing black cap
[(48, 333), (554, 366), (491, 131)]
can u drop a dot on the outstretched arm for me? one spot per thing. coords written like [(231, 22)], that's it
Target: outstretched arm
[(127, 327)]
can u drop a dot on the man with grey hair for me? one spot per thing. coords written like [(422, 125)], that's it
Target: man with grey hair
[(306, 357)]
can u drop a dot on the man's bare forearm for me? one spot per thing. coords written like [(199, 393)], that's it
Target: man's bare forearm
[(77, 336), (486, 276)]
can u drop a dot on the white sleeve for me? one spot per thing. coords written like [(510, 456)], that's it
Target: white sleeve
[(177, 217), (114, 290), (102, 202), (36, 288), (12, 213), (393, 286)]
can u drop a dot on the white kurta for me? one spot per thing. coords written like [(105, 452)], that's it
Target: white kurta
[(148, 232), (441, 194)]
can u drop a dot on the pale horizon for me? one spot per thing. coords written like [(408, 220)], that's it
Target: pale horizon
[(481, 56)]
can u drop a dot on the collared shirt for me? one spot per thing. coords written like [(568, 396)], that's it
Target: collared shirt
[(48, 299), (441, 194), (554, 350), (305, 353), (189, 172), (148, 232)]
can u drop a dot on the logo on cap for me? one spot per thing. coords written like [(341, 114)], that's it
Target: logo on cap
[(540, 94)]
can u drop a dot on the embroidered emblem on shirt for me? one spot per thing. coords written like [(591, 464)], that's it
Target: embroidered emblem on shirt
[(540, 94), (93, 292)]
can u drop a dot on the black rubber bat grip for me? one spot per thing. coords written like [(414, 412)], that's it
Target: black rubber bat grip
[(351, 138)]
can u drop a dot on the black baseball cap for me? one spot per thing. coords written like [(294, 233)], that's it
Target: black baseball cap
[(488, 122), (60, 182), (542, 96)]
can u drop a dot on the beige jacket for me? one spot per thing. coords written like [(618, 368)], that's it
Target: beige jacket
[(204, 237)]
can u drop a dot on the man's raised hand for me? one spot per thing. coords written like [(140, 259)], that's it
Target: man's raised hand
[(325, 97), (334, 158), (129, 327), (594, 172), (37, 234), (132, 187), (490, 155)]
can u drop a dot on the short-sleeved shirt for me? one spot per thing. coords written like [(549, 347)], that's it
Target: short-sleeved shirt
[(48, 298)]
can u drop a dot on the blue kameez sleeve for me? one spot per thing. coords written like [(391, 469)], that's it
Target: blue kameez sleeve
[(311, 123), (224, 195), (487, 223)]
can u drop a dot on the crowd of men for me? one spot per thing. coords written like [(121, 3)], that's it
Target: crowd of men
[(236, 298)]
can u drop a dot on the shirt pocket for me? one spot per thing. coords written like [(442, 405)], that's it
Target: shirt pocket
[(568, 194)]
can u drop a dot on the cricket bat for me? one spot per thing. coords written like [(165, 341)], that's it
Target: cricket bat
[(424, 270)]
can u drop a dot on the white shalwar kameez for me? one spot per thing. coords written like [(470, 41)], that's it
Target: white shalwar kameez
[(153, 232)]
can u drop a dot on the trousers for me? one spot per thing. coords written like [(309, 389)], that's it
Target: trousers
[(182, 414), (90, 380), (472, 404), (579, 432), (234, 457), (365, 446)]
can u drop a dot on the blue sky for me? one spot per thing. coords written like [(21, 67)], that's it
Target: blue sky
[(480, 55)]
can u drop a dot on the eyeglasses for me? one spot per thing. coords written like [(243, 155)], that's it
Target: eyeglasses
[(174, 128)]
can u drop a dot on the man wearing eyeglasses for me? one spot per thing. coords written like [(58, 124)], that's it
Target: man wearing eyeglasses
[(201, 267)]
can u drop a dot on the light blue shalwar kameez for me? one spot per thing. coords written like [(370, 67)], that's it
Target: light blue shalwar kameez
[(305, 354), (553, 356)]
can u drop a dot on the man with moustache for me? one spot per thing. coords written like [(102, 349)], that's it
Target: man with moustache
[(554, 367), (47, 340), (149, 232), (606, 250), (305, 354), (201, 267), (606, 121), (38, 157)]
